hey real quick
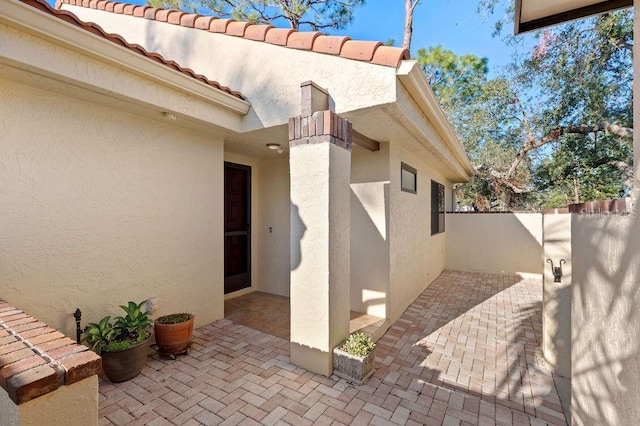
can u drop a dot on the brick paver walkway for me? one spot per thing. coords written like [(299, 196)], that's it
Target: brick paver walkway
[(466, 352)]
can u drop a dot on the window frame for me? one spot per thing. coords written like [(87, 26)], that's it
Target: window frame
[(437, 208), (405, 167)]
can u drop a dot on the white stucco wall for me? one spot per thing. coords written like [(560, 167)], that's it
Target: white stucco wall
[(416, 257), (370, 230), (556, 308), (606, 304), (9, 412), (101, 207), (320, 197), (270, 80), (273, 226), (497, 243), (73, 405), (605, 362)]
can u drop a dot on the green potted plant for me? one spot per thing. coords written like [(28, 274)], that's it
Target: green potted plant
[(173, 333), (123, 343), (354, 359)]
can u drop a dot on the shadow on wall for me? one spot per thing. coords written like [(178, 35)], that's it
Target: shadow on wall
[(606, 319), (297, 233), (499, 363), (557, 295), (369, 248)]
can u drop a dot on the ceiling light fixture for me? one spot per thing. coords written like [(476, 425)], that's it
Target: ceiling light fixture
[(275, 146)]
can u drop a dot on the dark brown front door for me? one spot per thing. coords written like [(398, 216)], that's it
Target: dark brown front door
[(237, 227)]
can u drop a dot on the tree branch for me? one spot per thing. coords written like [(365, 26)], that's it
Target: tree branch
[(611, 129), (554, 135)]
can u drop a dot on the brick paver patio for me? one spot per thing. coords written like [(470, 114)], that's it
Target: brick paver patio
[(466, 352)]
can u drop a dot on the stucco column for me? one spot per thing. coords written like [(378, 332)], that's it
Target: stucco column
[(556, 309), (320, 167)]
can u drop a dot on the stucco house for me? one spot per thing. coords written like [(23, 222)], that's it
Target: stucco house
[(187, 159)]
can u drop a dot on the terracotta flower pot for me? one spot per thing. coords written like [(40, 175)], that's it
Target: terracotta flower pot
[(123, 365), (173, 339)]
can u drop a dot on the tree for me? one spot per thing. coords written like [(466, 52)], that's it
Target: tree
[(409, 8), (316, 14), (456, 79), (580, 78), (487, 120), (555, 127)]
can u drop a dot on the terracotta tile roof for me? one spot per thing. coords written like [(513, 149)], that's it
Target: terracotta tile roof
[(367, 51), (115, 38)]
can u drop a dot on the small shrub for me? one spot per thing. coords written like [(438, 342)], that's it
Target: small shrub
[(134, 325), (174, 318), (122, 332), (358, 344)]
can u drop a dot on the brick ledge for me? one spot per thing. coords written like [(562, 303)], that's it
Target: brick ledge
[(36, 359)]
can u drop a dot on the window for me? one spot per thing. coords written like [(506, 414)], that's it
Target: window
[(409, 179), (437, 207)]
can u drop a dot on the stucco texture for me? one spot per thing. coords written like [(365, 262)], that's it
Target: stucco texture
[(273, 74), (101, 207), (500, 243), (369, 230), (320, 230), (273, 226), (416, 257), (556, 310), (605, 320), (73, 405)]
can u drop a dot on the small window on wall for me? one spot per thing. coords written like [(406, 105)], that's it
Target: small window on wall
[(437, 208), (409, 179)]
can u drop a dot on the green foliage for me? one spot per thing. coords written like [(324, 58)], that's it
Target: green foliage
[(99, 335), (535, 133), (580, 169), (316, 14), (174, 318), (123, 332), (358, 344), (120, 345), (454, 78), (133, 326)]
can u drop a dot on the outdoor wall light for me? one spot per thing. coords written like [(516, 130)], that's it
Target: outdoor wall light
[(557, 270), (275, 146)]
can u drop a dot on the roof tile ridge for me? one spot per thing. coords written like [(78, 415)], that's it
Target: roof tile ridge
[(373, 52), (96, 29)]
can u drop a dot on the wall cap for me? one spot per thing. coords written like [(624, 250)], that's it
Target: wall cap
[(36, 359)]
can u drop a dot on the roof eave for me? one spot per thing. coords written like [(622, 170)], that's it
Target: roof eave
[(45, 26), (412, 78), (570, 14)]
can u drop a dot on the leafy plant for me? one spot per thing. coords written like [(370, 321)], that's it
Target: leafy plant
[(133, 326), (122, 333), (174, 318), (100, 335), (358, 344)]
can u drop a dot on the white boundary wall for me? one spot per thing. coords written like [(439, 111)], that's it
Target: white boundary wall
[(497, 243)]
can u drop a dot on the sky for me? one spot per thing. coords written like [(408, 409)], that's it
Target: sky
[(454, 24)]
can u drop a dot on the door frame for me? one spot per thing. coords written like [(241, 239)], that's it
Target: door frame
[(229, 281)]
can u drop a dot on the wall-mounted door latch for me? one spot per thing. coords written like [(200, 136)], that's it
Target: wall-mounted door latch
[(556, 270)]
